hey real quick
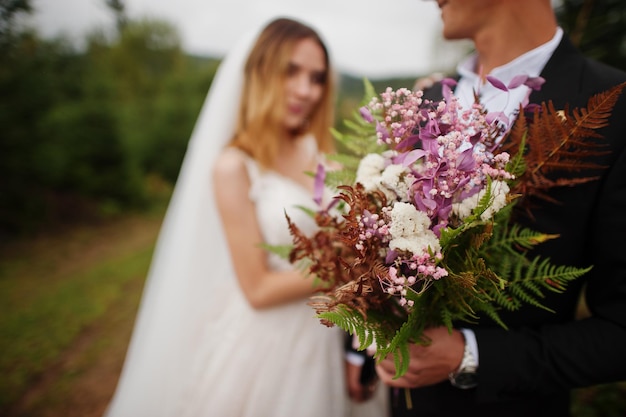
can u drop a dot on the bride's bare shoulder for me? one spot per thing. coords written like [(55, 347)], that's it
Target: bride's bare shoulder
[(230, 164)]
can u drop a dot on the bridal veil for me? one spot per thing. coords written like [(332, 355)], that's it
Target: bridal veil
[(190, 252)]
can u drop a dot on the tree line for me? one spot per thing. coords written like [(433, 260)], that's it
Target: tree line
[(85, 132)]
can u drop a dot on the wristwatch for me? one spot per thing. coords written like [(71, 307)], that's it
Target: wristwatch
[(467, 375)]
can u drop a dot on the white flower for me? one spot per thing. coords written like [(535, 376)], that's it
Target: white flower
[(398, 179), (369, 171), (499, 191), (409, 230)]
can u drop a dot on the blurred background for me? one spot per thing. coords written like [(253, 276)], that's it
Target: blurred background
[(97, 101)]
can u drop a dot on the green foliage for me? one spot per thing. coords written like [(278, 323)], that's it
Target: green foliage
[(29, 89), (352, 91), (9, 10), (355, 141), (89, 158), (84, 131), (117, 7), (175, 111)]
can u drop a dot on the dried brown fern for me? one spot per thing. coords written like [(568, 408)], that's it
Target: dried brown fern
[(559, 146), (347, 273)]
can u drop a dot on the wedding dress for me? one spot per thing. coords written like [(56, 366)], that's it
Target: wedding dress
[(275, 362), (198, 349)]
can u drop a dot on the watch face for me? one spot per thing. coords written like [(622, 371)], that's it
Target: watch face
[(465, 380)]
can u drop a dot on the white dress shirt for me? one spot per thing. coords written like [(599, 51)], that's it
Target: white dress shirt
[(531, 63)]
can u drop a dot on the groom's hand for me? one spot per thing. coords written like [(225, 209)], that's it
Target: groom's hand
[(428, 364)]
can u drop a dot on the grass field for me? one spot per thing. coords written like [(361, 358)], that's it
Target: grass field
[(68, 306), (69, 303)]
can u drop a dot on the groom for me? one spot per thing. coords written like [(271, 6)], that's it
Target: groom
[(481, 369)]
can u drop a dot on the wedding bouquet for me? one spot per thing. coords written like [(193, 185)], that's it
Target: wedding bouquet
[(420, 232)]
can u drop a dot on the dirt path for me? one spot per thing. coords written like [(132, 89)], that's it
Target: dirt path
[(83, 378)]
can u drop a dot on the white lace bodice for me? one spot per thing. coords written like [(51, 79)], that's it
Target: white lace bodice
[(274, 195)]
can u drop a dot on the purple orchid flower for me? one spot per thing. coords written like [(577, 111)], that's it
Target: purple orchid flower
[(532, 107), (382, 131), (409, 142), (465, 161), (497, 116), (535, 82), (449, 82), (318, 184), (366, 114), (425, 203), (517, 81), (468, 193), (391, 256), (446, 90), (496, 83), (475, 138), (408, 158), (445, 210), (438, 227)]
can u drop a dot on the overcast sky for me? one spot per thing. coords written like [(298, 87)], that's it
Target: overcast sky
[(372, 38)]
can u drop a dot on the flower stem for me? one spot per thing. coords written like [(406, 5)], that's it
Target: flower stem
[(408, 399)]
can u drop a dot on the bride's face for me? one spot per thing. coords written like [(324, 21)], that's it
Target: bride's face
[(305, 82)]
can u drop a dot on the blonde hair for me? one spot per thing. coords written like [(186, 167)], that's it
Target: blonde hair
[(260, 120)]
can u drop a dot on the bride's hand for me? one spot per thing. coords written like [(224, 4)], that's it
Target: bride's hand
[(357, 391)]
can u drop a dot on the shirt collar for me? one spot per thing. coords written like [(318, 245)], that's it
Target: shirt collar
[(531, 63)]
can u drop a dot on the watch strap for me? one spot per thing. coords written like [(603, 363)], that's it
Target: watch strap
[(465, 376)]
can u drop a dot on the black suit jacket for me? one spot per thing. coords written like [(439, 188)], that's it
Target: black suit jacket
[(530, 369)]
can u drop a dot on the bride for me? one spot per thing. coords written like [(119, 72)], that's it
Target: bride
[(223, 327)]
